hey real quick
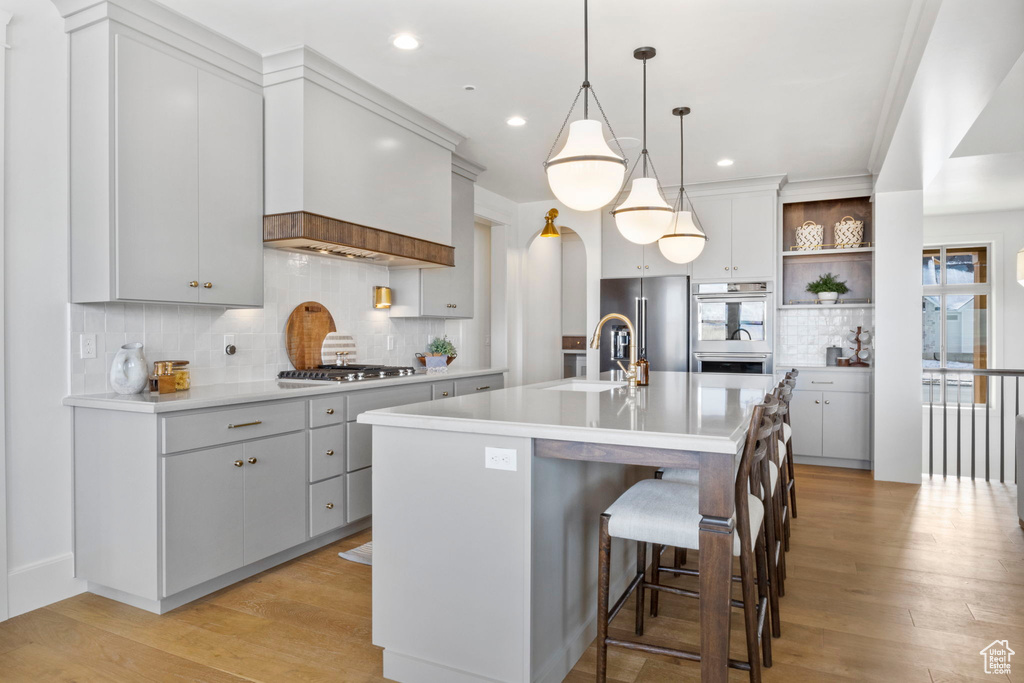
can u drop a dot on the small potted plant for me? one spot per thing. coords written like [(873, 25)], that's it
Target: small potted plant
[(440, 347), (827, 288)]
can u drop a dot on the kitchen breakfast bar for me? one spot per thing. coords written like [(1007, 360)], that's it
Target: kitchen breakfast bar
[(486, 512)]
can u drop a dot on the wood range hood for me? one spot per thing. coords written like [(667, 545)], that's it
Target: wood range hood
[(307, 232)]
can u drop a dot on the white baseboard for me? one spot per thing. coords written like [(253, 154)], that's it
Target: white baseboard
[(42, 583), (831, 462)]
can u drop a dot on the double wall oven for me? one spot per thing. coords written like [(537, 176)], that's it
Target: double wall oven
[(732, 327)]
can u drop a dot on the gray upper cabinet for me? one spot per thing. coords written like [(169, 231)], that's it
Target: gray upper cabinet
[(442, 292), (741, 236), (166, 174)]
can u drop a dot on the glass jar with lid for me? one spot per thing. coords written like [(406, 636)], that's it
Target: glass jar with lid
[(182, 375)]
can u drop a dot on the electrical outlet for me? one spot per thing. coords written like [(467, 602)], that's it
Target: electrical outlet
[(391, 342), (500, 459), (229, 340), (88, 346), (487, 340)]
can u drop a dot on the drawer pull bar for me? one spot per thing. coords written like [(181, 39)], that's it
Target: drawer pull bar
[(246, 424), (483, 388), (813, 382), (329, 506)]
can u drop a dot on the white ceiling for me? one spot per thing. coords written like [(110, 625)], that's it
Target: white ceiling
[(787, 86), (986, 171)]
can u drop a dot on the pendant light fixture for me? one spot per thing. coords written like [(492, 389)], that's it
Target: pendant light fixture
[(586, 174), (549, 224), (686, 240), (645, 215)]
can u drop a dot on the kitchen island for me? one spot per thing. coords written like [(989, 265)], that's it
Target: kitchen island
[(486, 513)]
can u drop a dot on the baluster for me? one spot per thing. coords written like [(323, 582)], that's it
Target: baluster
[(945, 415), (988, 424), (1002, 428), (974, 386), (959, 380)]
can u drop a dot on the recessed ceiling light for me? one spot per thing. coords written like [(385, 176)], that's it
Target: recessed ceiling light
[(516, 121), (725, 162), (405, 41)]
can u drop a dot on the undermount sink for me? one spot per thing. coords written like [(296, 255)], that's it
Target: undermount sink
[(586, 386)]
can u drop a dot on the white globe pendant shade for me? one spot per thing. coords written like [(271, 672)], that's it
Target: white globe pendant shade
[(1020, 267), (685, 242), (645, 215), (586, 174)]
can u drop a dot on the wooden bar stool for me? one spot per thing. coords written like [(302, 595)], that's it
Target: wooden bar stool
[(788, 438), (784, 392), (667, 514)]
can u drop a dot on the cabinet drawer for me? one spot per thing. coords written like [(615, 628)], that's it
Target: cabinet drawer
[(326, 505), (360, 446), (329, 410), (442, 390), (834, 381), (359, 498), (361, 401), (326, 452), (472, 385), (215, 427)]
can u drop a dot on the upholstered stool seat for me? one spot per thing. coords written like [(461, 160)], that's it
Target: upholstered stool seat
[(667, 513)]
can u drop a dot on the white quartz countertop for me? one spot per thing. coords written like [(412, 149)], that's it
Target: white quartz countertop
[(679, 410), (786, 367), (250, 392)]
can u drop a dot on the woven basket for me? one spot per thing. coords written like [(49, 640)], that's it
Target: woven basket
[(849, 233), (809, 236)]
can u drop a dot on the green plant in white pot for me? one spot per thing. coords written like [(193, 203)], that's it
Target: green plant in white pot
[(827, 289)]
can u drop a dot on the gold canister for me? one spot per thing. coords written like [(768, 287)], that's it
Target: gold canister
[(182, 375)]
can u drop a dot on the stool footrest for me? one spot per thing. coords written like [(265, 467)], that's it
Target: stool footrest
[(625, 596), (670, 652)]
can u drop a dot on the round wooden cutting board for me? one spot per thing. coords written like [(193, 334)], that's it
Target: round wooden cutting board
[(308, 326)]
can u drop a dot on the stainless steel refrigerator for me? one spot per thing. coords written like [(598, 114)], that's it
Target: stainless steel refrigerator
[(658, 307)]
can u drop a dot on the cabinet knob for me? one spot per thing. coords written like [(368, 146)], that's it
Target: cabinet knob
[(816, 401), (329, 506), (727, 267), (238, 463), (330, 451), (828, 402), (647, 267), (208, 285), (638, 267), (193, 283), (330, 411), (455, 305), (252, 461), (444, 393), (735, 267)]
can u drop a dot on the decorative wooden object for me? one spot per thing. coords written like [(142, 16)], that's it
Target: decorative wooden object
[(307, 327), (857, 362), (312, 232), (572, 343)]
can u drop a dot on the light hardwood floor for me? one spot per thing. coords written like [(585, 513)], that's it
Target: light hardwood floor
[(887, 582)]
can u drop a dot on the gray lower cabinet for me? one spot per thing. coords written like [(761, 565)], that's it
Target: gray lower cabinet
[(831, 415), (168, 508), (204, 516)]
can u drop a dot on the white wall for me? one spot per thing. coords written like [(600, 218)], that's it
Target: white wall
[(38, 435), (574, 285), (542, 311)]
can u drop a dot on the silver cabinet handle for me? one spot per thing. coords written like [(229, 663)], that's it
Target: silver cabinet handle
[(828, 402), (483, 388), (246, 424), (813, 382)]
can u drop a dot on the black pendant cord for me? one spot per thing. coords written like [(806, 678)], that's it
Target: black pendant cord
[(682, 155), (643, 153), (586, 59)]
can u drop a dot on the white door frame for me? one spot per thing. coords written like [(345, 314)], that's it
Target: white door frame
[(5, 18)]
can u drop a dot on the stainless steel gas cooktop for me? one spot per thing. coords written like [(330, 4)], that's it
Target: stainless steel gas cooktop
[(345, 373)]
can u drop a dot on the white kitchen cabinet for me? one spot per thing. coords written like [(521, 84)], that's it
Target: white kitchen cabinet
[(204, 515), (619, 257), (741, 237), (831, 415), (166, 173), (442, 292), (275, 495), (753, 236)]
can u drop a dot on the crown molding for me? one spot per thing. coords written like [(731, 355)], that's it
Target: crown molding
[(769, 183), (469, 170), (167, 26), (304, 62), (828, 188)]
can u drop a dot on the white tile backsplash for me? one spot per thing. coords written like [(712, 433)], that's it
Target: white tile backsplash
[(805, 333), (196, 333)]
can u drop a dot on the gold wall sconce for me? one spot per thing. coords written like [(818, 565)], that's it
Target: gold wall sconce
[(382, 297), (549, 224)]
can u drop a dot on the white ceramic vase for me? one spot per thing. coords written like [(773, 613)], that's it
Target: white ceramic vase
[(827, 298), (129, 371)]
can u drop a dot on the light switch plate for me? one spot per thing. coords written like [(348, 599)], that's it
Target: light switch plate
[(500, 458), (88, 346), (391, 342)]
